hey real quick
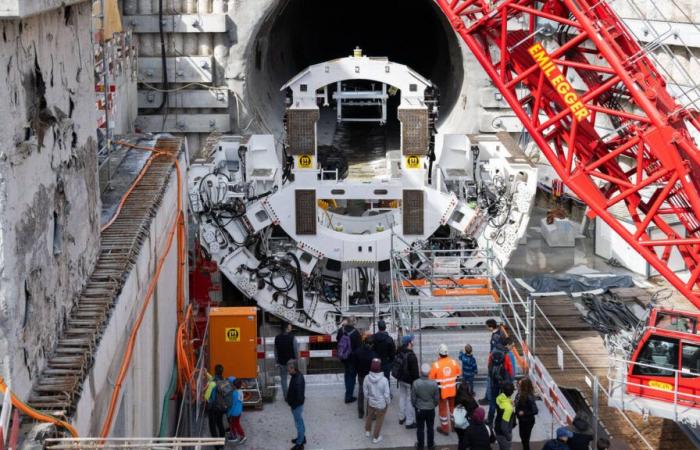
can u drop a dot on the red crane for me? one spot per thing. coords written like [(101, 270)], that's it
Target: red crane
[(569, 68)]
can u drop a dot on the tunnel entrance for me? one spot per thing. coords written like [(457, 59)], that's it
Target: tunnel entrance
[(300, 33)]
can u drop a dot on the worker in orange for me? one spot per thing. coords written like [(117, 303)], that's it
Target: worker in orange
[(445, 371)]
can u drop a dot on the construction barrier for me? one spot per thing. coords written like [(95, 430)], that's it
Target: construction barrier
[(305, 342), (553, 398)]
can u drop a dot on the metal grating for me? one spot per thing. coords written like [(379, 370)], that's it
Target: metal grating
[(413, 211), (305, 211), (415, 136), (301, 131)]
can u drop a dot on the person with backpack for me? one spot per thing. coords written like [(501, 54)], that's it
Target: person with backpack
[(376, 389), (217, 409), (477, 436), (425, 396), (465, 405), (405, 370), (560, 443), (286, 348), (505, 417), (385, 347), (296, 395), (348, 339), (501, 372), (235, 411), (445, 371), (525, 411), (469, 367), (362, 359), (497, 336)]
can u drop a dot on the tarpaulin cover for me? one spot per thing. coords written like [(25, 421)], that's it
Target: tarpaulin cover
[(577, 283)]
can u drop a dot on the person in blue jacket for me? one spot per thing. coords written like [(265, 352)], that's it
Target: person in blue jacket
[(469, 367), (235, 411)]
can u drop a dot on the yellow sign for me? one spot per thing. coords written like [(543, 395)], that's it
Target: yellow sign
[(305, 161), (233, 334), (559, 82), (660, 385), (413, 162)]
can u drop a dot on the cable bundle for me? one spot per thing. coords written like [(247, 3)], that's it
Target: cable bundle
[(607, 314)]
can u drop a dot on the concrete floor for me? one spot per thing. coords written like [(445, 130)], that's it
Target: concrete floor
[(331, 424)]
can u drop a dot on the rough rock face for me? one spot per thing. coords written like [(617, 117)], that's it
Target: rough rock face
[(49, 195)]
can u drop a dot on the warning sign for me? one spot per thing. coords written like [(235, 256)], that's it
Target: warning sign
[(305, 161), (413, 162), (233, 334)]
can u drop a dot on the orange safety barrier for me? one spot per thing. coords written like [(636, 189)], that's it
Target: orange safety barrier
[(422, 282), (465, 292)]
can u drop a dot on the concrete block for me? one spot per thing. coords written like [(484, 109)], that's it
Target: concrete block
[(560, 233), (214, 98), (185, 123), (181, 69), (19, 9)]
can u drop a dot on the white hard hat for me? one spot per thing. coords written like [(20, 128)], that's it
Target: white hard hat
[(442, 350)]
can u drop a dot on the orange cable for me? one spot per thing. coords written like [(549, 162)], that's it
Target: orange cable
[(34, 414), (179, 226)]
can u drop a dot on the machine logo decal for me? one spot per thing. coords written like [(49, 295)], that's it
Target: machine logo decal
[(233, 334), (559, 81), (305, 161), (413, 162)]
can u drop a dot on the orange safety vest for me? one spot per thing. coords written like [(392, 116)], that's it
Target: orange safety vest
[(445, 371)]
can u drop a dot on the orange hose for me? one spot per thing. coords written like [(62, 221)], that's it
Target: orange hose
[(179, 227), (133, 185), (34, 414)]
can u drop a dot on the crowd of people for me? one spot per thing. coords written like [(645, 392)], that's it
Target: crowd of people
[(371, 360)]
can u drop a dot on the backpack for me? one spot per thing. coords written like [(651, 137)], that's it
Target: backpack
[(460, 417), (345, 346), (497, 369), (223, 400), (400, 365)]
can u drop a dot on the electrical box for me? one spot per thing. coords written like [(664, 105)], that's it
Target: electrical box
[(233, 339)]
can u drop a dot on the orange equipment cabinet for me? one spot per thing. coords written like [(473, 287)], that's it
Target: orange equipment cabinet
[(233, 338)]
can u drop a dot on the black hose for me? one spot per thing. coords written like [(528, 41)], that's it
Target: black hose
[(298, 281)]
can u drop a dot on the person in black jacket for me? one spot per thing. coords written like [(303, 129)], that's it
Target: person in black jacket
[(581, 438), (362, 359), (386, 348), (286, 348), (407, 375), (477, 436), (348, 328), (295, 400), (525, 411)]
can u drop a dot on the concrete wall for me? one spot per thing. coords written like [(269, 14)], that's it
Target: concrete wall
[(154, 354), (49, 201)]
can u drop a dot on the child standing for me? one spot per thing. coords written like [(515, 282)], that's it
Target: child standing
[(469, 367), (235, 411)]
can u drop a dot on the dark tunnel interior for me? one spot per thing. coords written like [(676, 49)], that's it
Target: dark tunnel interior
[(299, 33)]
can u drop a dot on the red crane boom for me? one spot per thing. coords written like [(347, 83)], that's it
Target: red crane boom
[(648, 160)]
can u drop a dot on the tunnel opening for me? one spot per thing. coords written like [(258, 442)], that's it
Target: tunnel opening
[(300, 33)]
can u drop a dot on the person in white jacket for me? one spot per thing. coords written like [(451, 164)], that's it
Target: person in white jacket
[(378, 395)]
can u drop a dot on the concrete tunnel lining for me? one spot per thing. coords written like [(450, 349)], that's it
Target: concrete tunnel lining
[(298, 33)]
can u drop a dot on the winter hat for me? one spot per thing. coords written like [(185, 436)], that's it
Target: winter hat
[(376, 365), (580, 424), (468, 349), (479, 415), (425, 369), (563, 432), (231, 379), (406, 339), (381, 325)]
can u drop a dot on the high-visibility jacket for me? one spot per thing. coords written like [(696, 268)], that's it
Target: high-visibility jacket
[(445, 371)]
